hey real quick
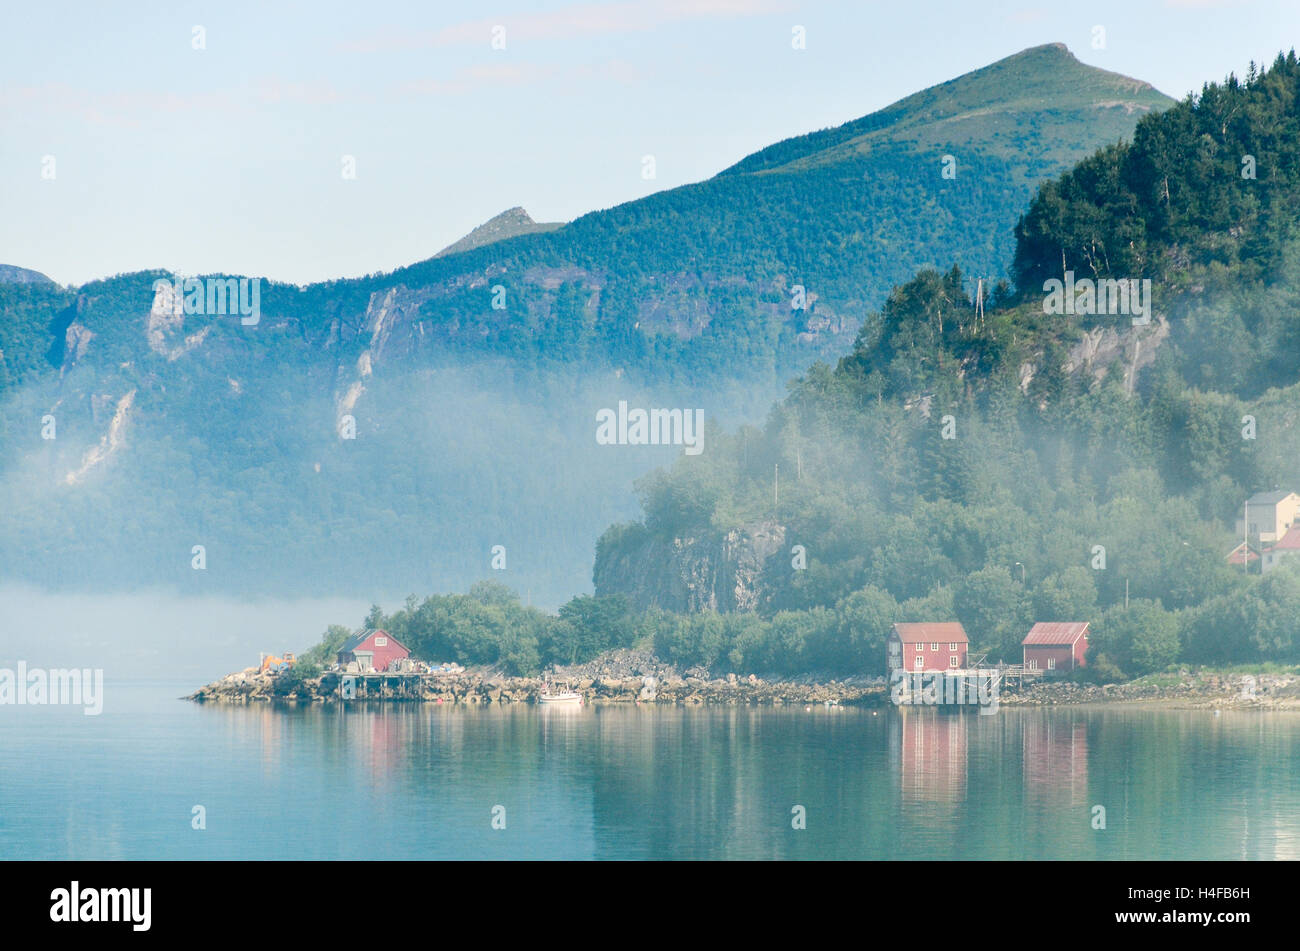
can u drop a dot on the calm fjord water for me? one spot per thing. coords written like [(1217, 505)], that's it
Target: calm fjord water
[(400, 781)]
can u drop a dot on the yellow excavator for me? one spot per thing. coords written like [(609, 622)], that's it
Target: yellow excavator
[(276, 665)]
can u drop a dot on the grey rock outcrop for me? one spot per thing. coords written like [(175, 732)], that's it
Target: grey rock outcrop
[(719, 573)]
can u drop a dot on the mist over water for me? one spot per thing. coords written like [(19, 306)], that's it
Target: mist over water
[(158, 635), (447, 463)]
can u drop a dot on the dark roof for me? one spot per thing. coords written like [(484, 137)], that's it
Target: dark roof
[(359, 638), (931, 631), (1268, 498), (1056, 633)]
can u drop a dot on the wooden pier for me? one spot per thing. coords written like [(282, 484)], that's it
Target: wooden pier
[(1018, 675), (375, 685)]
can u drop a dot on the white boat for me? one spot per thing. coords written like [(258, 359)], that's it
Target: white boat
[(553, 697)]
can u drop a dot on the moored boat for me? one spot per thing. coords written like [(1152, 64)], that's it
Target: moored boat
[(563, 696)]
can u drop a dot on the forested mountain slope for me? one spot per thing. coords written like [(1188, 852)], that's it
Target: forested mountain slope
[(1001, 464), (131, 434)]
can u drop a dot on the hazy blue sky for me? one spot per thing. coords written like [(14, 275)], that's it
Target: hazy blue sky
[(229, 158)]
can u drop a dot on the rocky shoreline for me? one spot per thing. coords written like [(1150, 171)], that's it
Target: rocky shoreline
[(1187, 690), (478, 687), (631, 676)]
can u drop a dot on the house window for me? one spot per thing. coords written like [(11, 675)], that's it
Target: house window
[(920, 647), (1033, 665), (381, 642), (920, 664), (952, 661), (1051, 663), (952, 645), (934, 646)]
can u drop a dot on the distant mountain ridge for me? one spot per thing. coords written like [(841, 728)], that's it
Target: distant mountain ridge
[(704, 276), (472, 378), (837, 212), (509, 224), (1009, 108), (9, 274)]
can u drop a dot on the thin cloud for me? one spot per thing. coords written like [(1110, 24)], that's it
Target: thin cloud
[(473, 78), (275, 90), (588, 19), (477, 77), (128, 109), (131, 109)]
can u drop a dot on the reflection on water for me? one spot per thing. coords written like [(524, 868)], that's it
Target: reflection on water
[(1055, 757), (932, 763), (411, 781)]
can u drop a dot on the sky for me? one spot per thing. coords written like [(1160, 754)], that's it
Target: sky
[(218, 137)]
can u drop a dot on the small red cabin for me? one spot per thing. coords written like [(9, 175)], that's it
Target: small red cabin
[(931, 646), (1056, 646), (372, 649)]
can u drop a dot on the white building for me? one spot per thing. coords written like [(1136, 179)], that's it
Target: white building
[(1268, 515)]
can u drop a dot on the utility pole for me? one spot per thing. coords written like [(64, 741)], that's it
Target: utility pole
[(1245, 537), (1125, 594), (776, 485)]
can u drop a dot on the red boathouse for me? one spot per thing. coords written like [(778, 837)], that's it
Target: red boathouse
[(1056, 646), (372, 649)]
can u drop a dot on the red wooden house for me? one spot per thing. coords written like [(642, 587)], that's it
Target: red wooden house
[(930, 646), (1058, 646), (371, 649)]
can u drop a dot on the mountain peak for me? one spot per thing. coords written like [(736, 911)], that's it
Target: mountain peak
[(509, 224), (9, 274), (1009, 108)]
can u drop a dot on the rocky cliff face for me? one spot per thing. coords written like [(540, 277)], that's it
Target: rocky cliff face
[(1132, 347), (722, 572)]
